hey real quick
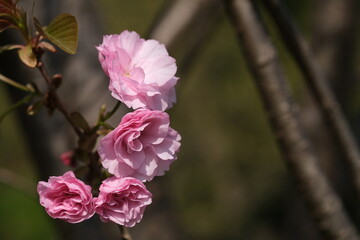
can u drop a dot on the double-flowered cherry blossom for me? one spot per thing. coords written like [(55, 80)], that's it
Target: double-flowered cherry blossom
[(122, 200), (141, 72), (67, 198), (142, 146)]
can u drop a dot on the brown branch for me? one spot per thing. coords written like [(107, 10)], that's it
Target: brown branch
[(56, 99), (261, 56), (318, 86)]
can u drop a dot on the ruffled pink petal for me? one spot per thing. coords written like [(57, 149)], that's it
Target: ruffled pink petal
[(142, 146), (141, 71), (122, 200), (67, 198)]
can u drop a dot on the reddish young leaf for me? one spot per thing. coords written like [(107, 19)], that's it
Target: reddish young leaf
[(47, 46), (4, 24), (7, 7), (11, 16)]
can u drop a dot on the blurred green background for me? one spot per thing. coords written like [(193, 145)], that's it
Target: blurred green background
[(229, 181)]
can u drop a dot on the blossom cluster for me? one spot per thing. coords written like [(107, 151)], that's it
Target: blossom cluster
[(142, 146), (121, 200)]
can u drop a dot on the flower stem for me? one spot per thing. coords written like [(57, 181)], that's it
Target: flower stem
[(14, 84), (102, 118), (109, 114), (125, 235)]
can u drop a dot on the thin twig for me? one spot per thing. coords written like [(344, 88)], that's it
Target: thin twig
[(56, 98), (262, 58), (180, 19), (318, 86)]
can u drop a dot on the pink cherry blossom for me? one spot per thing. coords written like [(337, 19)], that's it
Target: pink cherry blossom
[(122, 200), (67, 198), (142, 146), (141, 72)]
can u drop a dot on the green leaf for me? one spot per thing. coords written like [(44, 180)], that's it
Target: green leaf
[(27, 56), (62, 31)]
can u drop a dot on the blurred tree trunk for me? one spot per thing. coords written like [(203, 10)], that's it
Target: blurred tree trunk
[(333, 37), (246, 31), (333, 43)]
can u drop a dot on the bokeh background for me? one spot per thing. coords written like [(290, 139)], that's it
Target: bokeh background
[(229, 181)]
